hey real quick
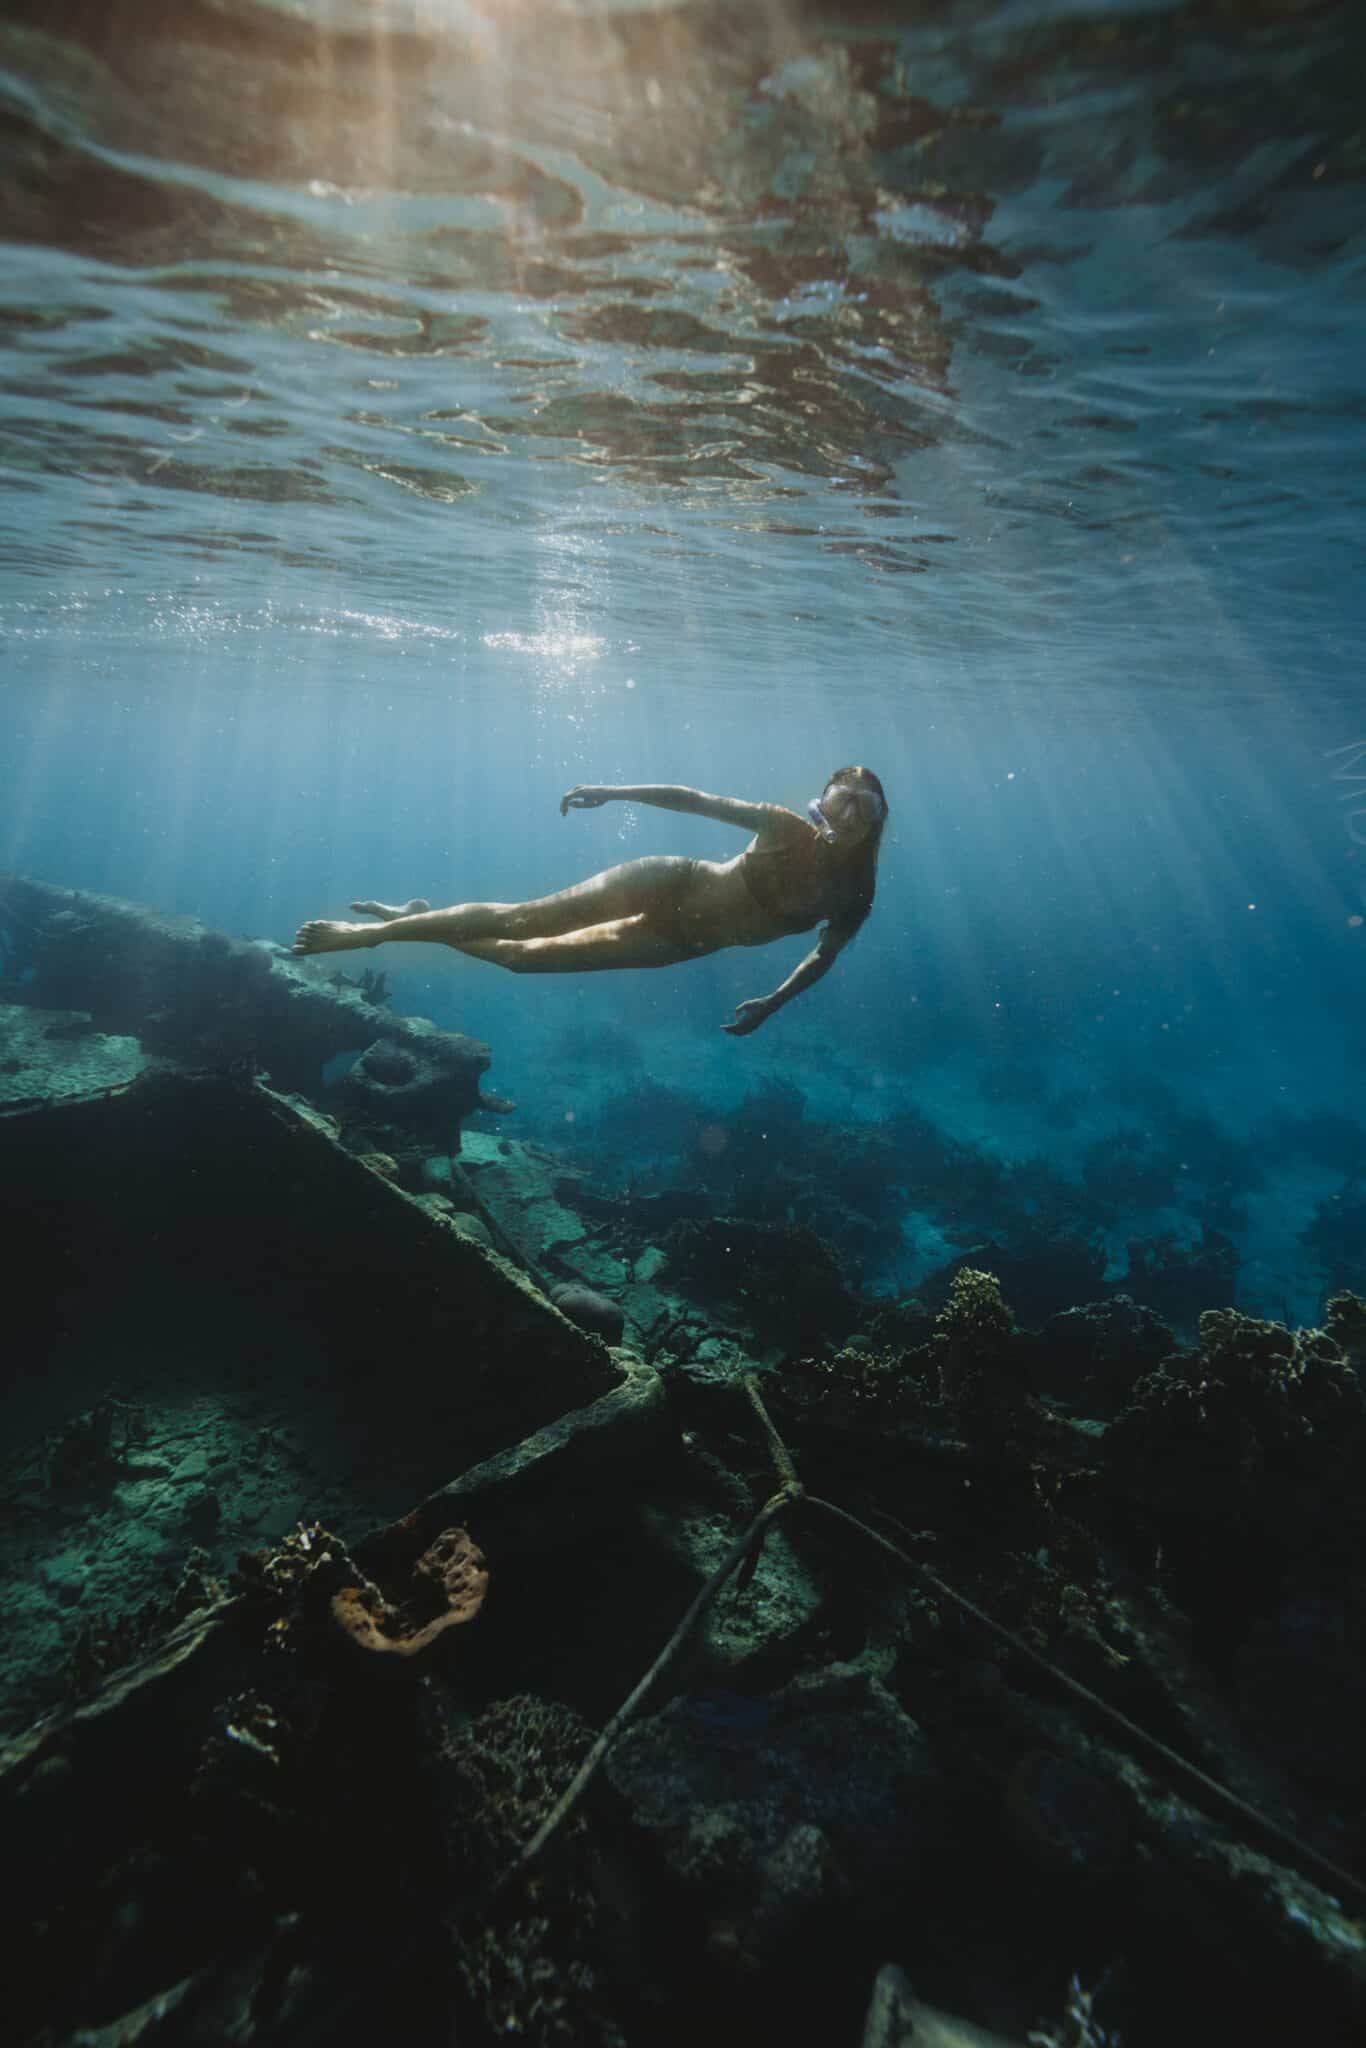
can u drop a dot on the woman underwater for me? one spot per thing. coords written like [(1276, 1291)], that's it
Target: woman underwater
[(666, 908)]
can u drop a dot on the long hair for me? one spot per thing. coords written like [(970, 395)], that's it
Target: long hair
[(863, 869)]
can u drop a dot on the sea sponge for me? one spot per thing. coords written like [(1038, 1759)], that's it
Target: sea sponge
[(450, 1581), (590, 1310)]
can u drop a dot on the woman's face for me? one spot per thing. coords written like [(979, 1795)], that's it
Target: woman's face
[(853, 813)]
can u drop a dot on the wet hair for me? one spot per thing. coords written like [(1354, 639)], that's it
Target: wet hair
[(863, 876)]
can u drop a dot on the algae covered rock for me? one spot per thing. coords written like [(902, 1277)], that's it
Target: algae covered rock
[(48, 1054)]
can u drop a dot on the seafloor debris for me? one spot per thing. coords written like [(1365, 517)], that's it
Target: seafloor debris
[(1044, 1664), (888, 1777), (96, 1442)]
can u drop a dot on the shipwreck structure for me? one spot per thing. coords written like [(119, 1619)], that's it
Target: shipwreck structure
[(192, 995)]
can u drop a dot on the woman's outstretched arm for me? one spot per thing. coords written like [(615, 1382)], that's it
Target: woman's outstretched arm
[(819, 961), (676, 796)]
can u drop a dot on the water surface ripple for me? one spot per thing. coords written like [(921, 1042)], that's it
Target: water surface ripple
[(958, 326)]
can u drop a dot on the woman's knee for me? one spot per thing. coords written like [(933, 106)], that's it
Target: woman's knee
[(487, 920), (509, 953)]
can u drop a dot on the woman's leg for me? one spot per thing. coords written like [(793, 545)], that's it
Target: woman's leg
[(654, 888), (623, 942), (389, 911)]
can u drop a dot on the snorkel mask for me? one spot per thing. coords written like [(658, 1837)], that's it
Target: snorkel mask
[(866, 802), (821, 822)]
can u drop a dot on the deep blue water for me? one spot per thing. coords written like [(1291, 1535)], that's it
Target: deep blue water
[(403, 420)]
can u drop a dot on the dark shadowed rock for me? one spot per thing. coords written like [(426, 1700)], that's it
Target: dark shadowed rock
[(774, 1813)]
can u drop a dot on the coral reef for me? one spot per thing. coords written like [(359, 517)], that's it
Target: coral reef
[(543, 1975), (1178, 1185), (971, 1344), (1043, 1271), (1345, 1322), (788, 1282), (1256, 1410), (1245, 1454), (764, 1160)]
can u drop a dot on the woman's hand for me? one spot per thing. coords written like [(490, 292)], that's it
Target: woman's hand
[(585, 796), (748, 1017)]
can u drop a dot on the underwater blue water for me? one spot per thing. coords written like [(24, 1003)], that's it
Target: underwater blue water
[(402, 421)]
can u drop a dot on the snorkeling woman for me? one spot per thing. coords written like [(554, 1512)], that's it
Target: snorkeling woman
[(666, 908)]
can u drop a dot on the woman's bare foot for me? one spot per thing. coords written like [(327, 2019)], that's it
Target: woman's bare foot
[(327, 935), (391, 910)]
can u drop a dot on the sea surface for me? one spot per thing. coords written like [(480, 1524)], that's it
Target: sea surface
[(408, 411)]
